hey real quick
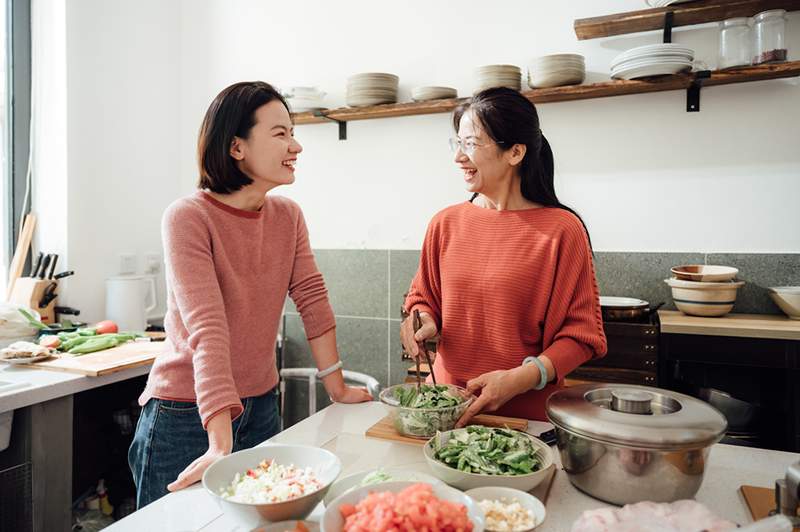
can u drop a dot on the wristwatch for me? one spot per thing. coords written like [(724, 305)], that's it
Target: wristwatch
[(542, 371)]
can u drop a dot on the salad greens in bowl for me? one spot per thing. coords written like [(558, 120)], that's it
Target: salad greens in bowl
[(478, 456), (420, 414)]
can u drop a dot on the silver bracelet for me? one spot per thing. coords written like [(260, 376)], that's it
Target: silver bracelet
[(330, 369)]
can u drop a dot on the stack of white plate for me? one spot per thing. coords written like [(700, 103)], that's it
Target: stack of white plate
[(664, 3), (556, 70), (371, 88), (490, 76), (421, 94), (304, 99), (652, 60)]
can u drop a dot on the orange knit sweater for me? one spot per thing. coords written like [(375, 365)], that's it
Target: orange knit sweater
[(504, 285)]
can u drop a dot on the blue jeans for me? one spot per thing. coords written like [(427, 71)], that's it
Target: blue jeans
[(170, 436)]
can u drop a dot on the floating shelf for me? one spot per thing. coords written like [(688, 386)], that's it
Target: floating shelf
[(565, 94), (698, 12)]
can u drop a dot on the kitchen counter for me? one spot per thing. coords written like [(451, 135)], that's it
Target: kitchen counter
[(35, 386), (340, 428), (776, 327)]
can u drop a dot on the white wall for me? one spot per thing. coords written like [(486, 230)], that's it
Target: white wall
[(646, 175)]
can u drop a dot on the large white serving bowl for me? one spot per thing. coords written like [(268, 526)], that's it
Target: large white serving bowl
[(466, 481), (325, 465), (396, 474), (509, 495), (332, 520), (788, 299)]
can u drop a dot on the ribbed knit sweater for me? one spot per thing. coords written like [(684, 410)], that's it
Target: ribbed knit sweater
[(505, 285), (228, 272)]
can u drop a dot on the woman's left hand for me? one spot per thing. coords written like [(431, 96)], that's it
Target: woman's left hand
[(497, 388), (351, 394)]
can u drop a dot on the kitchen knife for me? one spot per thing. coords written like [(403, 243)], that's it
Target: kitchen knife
[(64, 274), (67, 310), (43, 267), (53, 262), (36, 264)]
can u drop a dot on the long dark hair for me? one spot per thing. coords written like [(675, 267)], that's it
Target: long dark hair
[(509, 118), (231, 114)]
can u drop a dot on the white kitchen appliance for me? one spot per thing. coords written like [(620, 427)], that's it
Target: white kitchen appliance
[(129, 299)]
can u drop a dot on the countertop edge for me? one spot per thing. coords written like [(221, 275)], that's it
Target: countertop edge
[(766, 326)]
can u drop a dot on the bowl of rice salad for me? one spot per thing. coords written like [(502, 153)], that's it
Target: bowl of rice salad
[(271, 483)]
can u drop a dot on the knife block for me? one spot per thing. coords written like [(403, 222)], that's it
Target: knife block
[(28, 291)]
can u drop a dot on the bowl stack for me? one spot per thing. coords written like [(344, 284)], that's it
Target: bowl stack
[(491, 76), (652, 60), (556, 70), (371, 88), (704, 290), (304, 99), (421, 94)]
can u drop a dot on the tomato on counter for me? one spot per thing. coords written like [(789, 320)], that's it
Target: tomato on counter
[(106, 327)]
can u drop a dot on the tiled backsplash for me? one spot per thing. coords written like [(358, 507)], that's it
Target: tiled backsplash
[(366, 290)]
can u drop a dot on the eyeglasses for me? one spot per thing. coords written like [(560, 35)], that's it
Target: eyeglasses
[(468, 146)]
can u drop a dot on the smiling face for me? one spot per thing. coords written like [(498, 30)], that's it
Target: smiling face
[(487, 166), (269, 153)]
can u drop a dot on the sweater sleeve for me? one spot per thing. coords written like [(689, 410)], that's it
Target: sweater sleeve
[(573, 327), (425, 292), (193, 280), (307, 287)]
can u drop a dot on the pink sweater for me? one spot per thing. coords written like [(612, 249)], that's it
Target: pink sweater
[(228, 272)]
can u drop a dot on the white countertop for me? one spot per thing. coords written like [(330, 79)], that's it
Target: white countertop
[(40, 385), (341, 428)]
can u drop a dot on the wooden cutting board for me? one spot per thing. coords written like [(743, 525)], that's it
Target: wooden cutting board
[(384, 429), (760, 501), (126, 356)]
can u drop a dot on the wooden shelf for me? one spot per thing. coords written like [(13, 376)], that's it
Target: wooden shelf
[(698, 12), (566, 94)]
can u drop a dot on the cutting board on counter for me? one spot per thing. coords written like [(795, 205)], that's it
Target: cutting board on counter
[(384, 429), (760, 501), (126, 356)]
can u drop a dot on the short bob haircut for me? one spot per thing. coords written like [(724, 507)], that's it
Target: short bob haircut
[(231, 114)]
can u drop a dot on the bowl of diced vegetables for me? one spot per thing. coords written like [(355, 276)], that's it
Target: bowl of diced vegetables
[(478, 456), (420, 413)]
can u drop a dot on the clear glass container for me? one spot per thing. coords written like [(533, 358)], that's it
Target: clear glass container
[(735, 45), (769, 32)]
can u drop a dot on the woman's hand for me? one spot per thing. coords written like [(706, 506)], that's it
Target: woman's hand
[(220, 443), (352, 394), (497, 388), (412, 340)]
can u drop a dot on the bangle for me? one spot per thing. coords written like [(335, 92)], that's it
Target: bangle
[(330, 369), (542, 371)]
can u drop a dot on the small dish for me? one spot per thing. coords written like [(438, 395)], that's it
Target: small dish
[(507, 496)]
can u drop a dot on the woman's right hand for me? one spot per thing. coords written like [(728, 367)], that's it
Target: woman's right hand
[(412, 340)]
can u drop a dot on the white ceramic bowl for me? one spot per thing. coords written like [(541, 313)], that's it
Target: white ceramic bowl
[(787, 298), (397, 474), (465, 481), (324, 463), (509, 495), (704, 299), (332, 520), (704, 273)]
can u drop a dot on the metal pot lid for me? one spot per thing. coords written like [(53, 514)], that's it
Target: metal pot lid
[(636, 416), (622, 302)]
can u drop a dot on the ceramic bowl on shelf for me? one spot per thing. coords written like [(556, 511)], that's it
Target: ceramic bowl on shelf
[(704, 272), (708, 299), (787, 298)]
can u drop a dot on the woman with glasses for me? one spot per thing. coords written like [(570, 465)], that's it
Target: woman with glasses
[(233, 251), (506, 279)]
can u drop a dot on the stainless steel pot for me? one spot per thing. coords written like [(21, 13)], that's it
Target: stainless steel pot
[(625, 308), (624, 443)]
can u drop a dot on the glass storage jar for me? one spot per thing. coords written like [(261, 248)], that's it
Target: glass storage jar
[(769, 31), (735, 48)]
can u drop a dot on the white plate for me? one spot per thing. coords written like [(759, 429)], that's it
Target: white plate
[(646, 62), (644, 71), (654, 49), (398, 475), (28, 360), (665, 56)]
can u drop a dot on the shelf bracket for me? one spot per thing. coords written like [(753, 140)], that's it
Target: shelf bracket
[(693, 92), (342, 124), (669, 17)]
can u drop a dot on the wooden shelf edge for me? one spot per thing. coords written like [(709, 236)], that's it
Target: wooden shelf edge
[(698, 12), (565, 94)]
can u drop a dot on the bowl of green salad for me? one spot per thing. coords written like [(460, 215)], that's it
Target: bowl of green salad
[(477, 456), (421, 413)]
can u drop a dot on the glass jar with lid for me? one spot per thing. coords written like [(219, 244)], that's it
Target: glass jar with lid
[(735, 47), (769, 32)]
